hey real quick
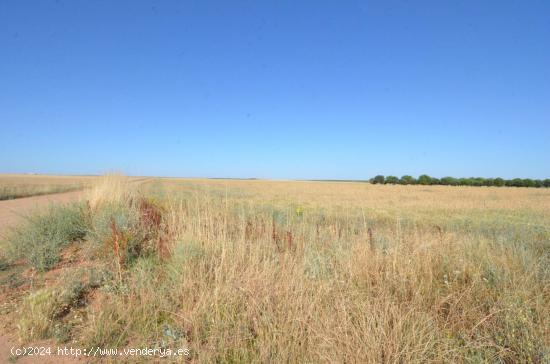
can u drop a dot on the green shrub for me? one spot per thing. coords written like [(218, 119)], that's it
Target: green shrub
[(40, 239), (136, 235)]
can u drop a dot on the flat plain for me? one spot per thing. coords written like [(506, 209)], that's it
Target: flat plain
[(14, 186), (287, 271)]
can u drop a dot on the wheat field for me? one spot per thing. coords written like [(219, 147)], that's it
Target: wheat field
[(288, 271)]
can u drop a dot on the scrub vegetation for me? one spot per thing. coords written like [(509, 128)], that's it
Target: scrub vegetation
[(301, 272)]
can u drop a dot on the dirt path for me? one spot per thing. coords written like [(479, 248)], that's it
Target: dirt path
[(11, 213)]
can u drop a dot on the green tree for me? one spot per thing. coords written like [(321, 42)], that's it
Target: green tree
[(499, 182), (378, 179), (517, 182), (449, 181), (424, 180), (546, 182), (478, 181), (528, 182), (392, 180), (407, 180)]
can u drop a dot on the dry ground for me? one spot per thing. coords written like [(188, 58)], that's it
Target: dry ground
[(13, 186), (13, 211), (285, 271)]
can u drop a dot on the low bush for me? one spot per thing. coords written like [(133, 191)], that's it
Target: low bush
[(127, 230), (40, 239)]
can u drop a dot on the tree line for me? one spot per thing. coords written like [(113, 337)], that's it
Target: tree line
[(452, 181)]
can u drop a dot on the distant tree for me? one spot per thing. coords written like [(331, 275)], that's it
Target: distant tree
[(517, 182), (407, 180), (478, 181), (449, 181), (452, 181), (499, 182), (424, 180), (528, 182), (378, 179)]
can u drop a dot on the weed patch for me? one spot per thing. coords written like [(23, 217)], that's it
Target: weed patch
[(42, 236)]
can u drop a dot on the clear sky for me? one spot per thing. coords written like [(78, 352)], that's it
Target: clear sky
[(276, 89)]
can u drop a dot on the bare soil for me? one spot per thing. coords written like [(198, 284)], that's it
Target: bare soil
[(13, 211)]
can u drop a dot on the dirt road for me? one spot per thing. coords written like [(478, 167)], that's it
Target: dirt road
[(11, 213)]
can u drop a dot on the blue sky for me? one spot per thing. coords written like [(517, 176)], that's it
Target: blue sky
[(276, 89)]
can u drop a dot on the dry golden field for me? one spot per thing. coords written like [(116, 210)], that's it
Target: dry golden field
[(286, 271), (21, 185)]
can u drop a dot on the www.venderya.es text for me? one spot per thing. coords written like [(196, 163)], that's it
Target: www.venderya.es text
[(97, 351)]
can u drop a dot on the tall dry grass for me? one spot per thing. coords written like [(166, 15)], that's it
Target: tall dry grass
[(263, 271), (110, 189)]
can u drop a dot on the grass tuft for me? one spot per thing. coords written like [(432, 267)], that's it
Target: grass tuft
[(42, 236)]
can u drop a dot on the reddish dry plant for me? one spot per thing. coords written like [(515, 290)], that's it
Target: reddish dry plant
[(248, 230), (440, 233), (278, 240), (150, 217), (371, 238), (274, 236), (254, 230), (289, 239), (150, 220), (116, 237), (317, 230)]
